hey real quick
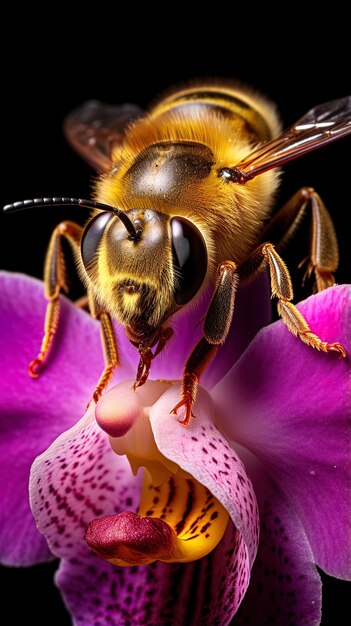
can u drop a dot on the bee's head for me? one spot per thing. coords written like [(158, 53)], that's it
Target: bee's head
[(142, 265), (141, 278)]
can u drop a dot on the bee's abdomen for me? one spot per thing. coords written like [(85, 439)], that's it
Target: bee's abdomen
[(254, 112)]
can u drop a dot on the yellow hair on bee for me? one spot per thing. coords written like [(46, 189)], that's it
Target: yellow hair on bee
[(171, 163), (228, 215)]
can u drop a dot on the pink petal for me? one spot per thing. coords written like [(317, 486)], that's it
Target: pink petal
[(201, 450), (291, 406), (76, 479), (285, 587)]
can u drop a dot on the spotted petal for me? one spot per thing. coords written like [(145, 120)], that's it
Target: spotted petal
[(201, 450), (79, 478), (76, 479), (165, 594)]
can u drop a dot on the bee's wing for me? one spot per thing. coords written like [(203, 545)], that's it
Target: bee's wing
[(321, 125), (95, 128)]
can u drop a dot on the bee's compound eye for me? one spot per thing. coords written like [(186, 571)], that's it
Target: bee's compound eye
[(189, 259), (92, 235)]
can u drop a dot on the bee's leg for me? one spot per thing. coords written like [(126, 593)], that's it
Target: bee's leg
[(82, 303), (54, 281), (146, 357), (323, 257), (281, 288), (216, 327), (199, 359), (109, 345)]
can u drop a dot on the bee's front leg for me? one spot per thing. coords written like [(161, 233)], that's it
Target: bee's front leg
[(216, 327), (54, 281)]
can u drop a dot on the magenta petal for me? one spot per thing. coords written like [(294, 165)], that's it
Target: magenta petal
[(188, 594), (75, 362), (291, 406), (285, 587)]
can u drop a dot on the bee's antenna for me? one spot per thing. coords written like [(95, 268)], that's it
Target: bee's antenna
[(134, 234)]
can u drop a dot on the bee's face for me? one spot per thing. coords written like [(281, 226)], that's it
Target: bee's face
[(143, 281)]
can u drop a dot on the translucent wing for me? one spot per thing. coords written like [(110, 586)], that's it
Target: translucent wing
[(95, 128), (321, 125)]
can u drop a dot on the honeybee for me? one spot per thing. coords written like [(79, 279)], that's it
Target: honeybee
[(184, 200)]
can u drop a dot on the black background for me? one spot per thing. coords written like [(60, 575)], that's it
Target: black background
[(48, 70)]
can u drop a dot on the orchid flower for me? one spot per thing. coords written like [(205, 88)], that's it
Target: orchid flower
[(178, 543)]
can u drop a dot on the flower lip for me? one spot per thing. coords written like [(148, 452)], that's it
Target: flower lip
[(172, 502)]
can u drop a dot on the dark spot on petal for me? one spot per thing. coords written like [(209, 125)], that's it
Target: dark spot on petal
[(205, 527)]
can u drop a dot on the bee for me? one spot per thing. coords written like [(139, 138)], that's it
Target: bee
[(184, 199)]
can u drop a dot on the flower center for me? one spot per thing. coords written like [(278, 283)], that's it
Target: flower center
[(179, 519)]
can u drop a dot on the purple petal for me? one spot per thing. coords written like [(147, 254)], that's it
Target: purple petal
[(285, 587), (291, 406), (195, 593)]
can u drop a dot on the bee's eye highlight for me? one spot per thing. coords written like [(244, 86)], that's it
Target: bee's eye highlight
[(189, 259), (92, 235)]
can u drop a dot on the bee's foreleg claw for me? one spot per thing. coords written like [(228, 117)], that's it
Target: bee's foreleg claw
[(337, 347), (187, 403)]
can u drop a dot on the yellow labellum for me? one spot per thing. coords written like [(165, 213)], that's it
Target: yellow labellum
[(199, 520)]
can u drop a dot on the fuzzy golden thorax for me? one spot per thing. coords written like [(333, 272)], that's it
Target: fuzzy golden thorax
[(155, 169)]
